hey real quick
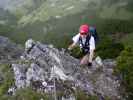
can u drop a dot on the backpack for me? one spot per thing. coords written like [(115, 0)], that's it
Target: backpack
[(94, 33)]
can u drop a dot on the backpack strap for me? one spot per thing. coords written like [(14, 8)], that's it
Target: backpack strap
[(87, 40), (85, 47), (80, 42)]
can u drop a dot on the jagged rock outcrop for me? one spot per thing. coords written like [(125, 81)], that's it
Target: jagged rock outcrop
[(44, 67)]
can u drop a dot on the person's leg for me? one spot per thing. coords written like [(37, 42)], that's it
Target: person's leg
[(85, 60)]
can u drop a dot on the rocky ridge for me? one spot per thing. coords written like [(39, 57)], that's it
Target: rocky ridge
[(47, 69)]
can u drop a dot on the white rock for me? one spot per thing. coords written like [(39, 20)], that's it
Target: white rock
[(99, 61), (44, 83), (55, 71), (29, 43)]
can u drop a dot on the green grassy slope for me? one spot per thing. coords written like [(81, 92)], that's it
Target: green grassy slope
[(54, 20)]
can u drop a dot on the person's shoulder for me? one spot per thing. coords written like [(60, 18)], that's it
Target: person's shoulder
[(92, 39), (76, 36)]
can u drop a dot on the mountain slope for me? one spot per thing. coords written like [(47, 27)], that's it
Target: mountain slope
[(43, 10), (45, 68), (50, 20)]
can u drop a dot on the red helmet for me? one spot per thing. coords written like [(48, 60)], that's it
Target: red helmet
[(84, 29)]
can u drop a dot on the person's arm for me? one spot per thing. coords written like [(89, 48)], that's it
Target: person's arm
[(92, 49), (91, 55), (71, 46), (75, 42)]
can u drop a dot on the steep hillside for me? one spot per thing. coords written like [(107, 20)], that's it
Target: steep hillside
[(45, 18), (6, 18), (43, 10), (52, 20)]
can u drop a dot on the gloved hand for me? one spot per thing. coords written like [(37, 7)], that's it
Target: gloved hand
[(89, 64)]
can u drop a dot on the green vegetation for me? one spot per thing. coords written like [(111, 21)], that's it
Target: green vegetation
[(107, 48), (6, 30), (26, 94), (7, 78), (125, 68), (127, 40), (80, 95)]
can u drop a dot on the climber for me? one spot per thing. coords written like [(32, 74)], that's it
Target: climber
[(86, 42)]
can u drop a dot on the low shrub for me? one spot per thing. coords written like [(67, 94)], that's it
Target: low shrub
[(125, 68)]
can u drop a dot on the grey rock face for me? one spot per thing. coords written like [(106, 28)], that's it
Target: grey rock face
[(43, 65), (8, 49)]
